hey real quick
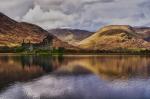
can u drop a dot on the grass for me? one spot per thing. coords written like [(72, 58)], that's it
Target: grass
[(62, 51)]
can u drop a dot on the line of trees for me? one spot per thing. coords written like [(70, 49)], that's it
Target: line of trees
[(22, 49), (62, 50)]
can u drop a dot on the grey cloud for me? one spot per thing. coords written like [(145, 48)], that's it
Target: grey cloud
[(15, 8), (83, 14), (98, 1)]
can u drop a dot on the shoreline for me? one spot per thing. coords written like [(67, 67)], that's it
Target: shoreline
[(76, 54)]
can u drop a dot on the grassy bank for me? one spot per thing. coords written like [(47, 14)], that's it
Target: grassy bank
[(62, 51)]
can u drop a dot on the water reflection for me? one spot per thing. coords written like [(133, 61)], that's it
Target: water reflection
[(24, 68), (112, 67), (95, 77)]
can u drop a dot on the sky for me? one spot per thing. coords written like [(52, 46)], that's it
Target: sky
[(80, 14)]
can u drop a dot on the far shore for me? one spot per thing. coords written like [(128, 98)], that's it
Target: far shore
[(75, 54)]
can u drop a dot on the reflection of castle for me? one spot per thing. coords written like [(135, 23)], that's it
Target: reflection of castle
[(46, 44)]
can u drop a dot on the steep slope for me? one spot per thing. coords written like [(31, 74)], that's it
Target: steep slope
[(114, 37), (71, 36), (144, 31), (13, 33)]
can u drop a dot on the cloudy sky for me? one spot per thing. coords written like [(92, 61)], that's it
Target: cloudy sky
[(81, 14)]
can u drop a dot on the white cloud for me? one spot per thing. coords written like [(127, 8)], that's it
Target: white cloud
[(83, 14), (48, 19)]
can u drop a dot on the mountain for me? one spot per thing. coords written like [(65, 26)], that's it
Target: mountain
[(72, 36), (13, 33), (144, 31), (115, 37)]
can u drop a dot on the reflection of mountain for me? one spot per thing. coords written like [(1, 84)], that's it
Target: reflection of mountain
[(104, 66), (47, 63), (109, 67), (11, 70), (23, 68)]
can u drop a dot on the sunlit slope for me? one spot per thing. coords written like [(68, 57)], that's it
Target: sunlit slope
[(13, 33), (114, 37)]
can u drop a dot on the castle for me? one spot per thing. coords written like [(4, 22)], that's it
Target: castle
[(46, 44)]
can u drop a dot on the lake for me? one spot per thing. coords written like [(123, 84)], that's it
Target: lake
[(75, 77)]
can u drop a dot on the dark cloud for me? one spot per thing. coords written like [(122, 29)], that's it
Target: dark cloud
[(99, 1), (108, 0), (83, 14)]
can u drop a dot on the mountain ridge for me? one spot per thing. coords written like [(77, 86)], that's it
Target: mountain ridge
[(115, 37), (71, 36), (13, 33)]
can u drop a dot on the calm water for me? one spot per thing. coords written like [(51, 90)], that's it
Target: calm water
[(75, 77)]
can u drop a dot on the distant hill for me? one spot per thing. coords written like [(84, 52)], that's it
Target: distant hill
[(115, 37), (12, 33), (72, 36), (144, 31)]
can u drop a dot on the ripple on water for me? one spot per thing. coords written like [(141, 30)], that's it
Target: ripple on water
[(78, 87)]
